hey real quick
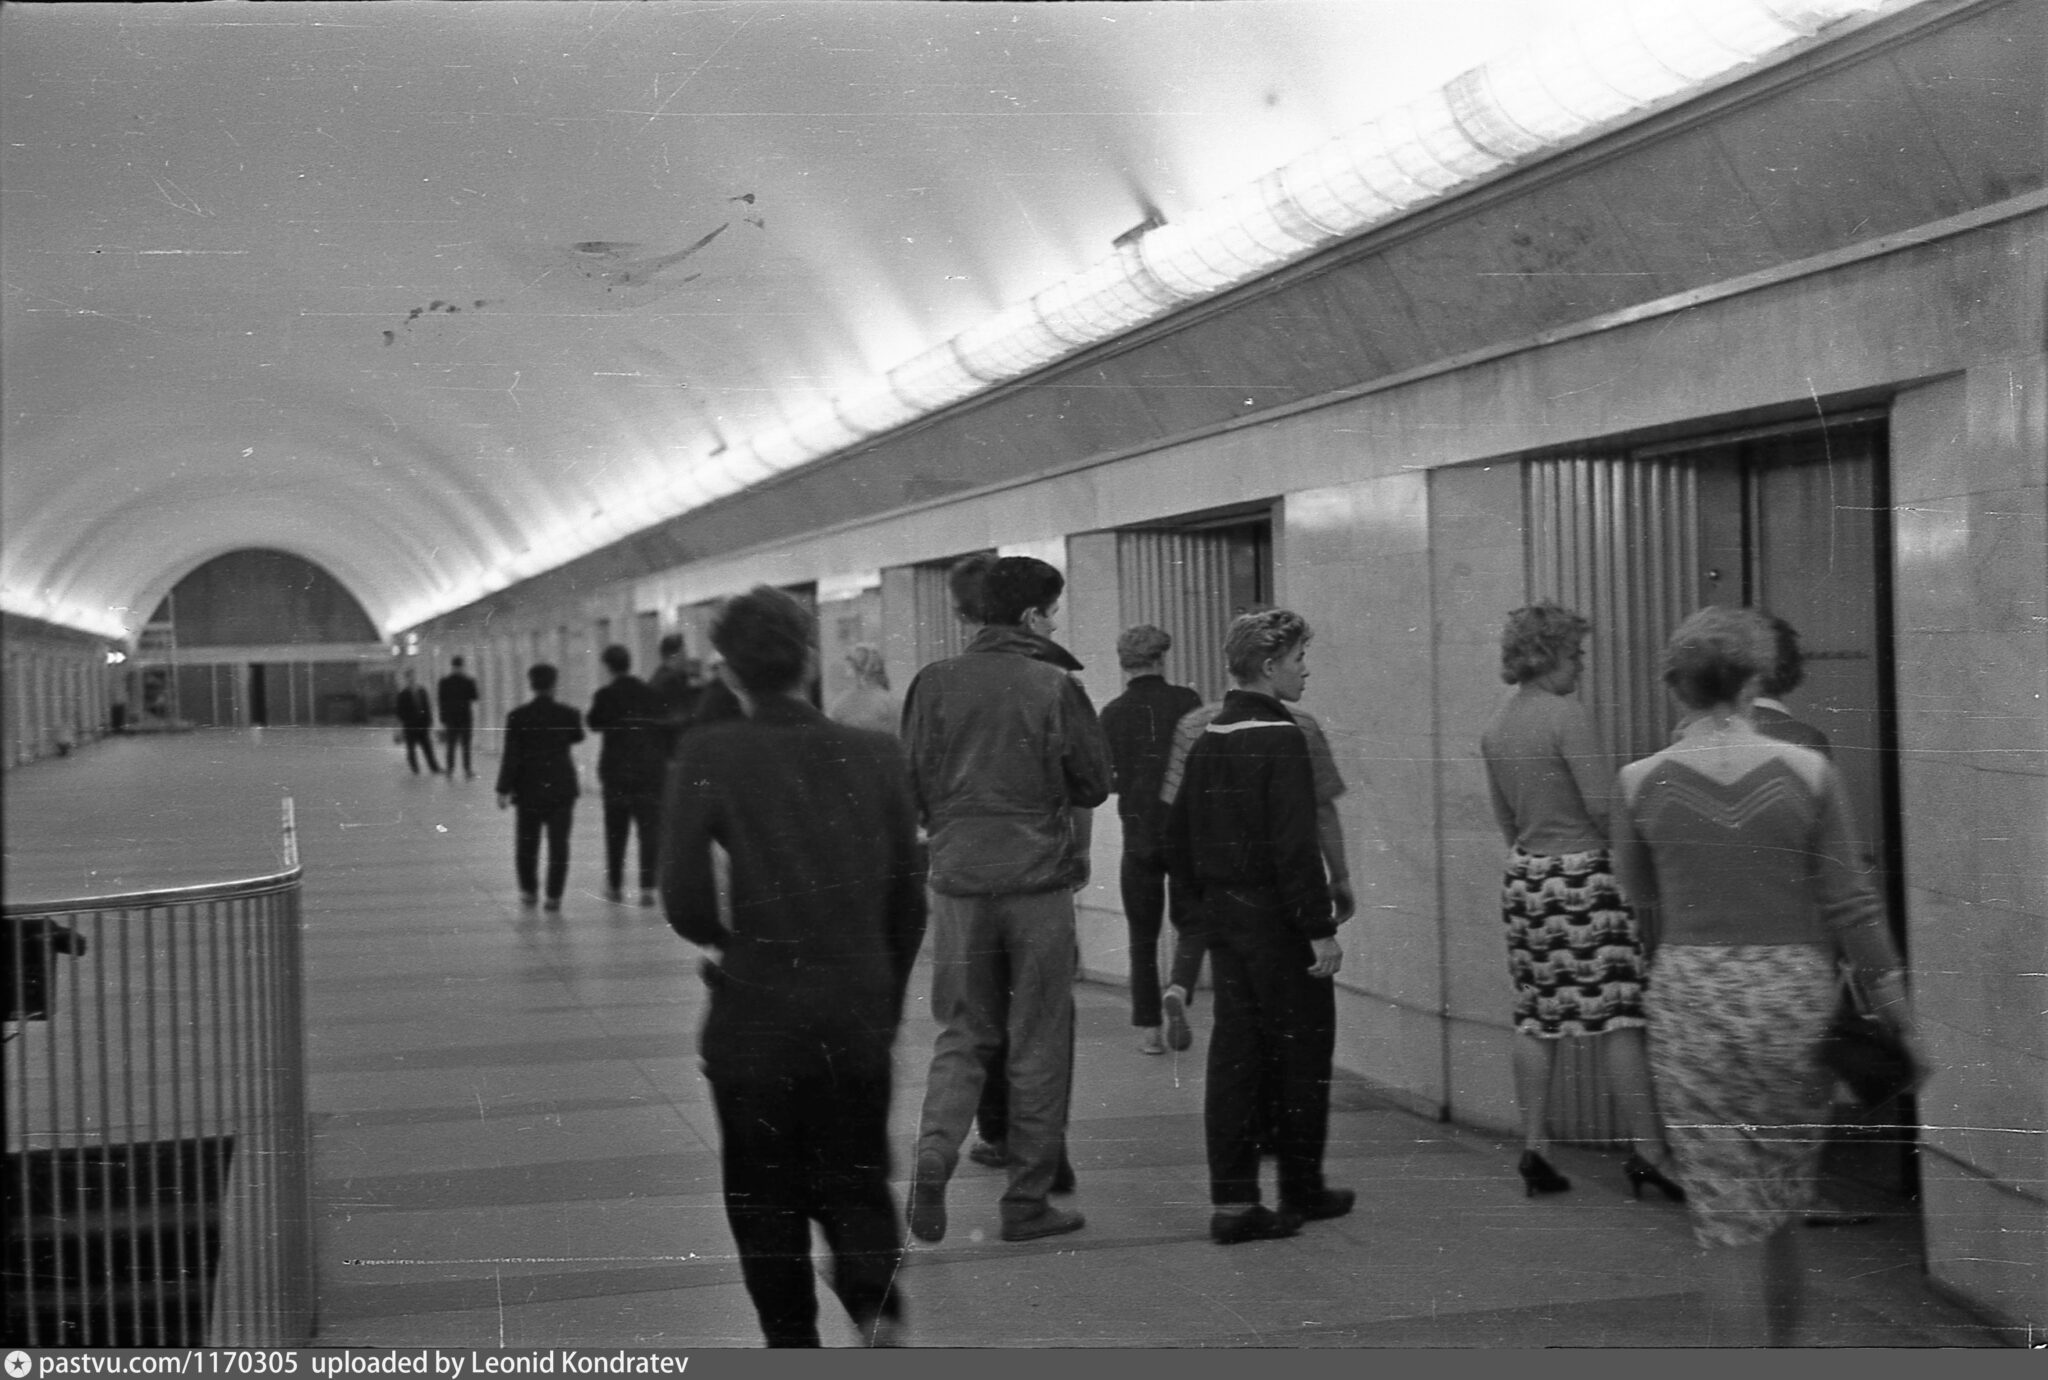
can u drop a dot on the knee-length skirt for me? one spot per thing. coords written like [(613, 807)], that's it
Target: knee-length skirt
[(1573, 950), (1735, 1035)]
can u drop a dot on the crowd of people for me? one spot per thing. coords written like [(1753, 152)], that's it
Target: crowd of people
[(1695, 911)]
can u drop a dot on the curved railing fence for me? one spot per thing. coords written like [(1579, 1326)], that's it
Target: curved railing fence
[(156, 1183)]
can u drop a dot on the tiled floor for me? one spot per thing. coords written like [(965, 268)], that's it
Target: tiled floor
[(514, 1145)]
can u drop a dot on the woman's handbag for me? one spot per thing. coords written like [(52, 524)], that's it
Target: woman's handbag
[(1865, 1053)]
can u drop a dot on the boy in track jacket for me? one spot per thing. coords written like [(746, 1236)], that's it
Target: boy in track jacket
[(1241, 838)]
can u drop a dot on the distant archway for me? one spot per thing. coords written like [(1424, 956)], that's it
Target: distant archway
[(260, 637), (258, 597)]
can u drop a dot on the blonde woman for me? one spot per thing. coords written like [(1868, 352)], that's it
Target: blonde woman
[(1573, 950), (869, 703)]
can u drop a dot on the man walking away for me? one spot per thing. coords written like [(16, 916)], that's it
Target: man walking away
[(676, 694), (1139, 726), (537, 775), (457, 696), (828, 911), (416, 724), (1003, 745), (630, 771), (1241, 837)]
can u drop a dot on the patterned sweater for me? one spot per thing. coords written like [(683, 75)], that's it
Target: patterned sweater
[(1737, 838)]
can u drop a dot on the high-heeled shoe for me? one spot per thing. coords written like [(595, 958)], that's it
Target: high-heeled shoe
[(1539, 1177), (1640, 1171)]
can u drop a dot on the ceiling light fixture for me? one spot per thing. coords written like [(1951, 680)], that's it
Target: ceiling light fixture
[(1611, 62)]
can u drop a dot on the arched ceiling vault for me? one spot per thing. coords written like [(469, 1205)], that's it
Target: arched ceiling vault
[(440, 295)]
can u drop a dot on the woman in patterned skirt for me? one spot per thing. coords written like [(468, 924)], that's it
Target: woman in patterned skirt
[(1572, 946), (1744, 846)]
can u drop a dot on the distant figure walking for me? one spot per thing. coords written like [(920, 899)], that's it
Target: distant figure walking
[(416, 724), (631, 770), (868, 704), (456, 696), (807, 986), (1241, 839), (538, 776), (1744, 849), (1003, 746), (1139, 726), (1574, 953), (676, 690)]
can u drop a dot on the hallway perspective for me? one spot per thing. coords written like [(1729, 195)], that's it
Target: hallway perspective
[(514, 1145)]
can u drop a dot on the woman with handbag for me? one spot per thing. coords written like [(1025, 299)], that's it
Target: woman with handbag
[(1740, 856)]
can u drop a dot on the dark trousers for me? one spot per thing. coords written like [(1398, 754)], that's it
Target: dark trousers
[(555, 820), (1276, 1033), (418, 740), (802, 1147), (458, 735), (1146, 893), (624, 810)]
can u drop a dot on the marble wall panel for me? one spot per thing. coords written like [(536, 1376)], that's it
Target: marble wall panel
[(1954, 831), (1477, 542), (1968, 433), (1393, 954), (1983, 963), (1476, 985), (2011, 842), (1986, 1107), (1975, 699), (1191, 478), (1985, 1243), (1091, 615), (1399, 1050), (1479, 1063)]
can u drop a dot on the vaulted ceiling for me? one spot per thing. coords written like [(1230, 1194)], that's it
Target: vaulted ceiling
[(441, 295)]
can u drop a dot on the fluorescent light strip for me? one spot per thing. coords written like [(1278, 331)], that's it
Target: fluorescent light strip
[(1610, 63)]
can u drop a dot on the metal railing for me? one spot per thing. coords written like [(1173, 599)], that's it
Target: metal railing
[(157, 1178)]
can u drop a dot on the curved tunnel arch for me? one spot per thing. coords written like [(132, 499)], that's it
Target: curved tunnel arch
[(279, 597)]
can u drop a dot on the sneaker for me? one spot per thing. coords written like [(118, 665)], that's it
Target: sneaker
[(1149, 1041), (1050, 1221), (987, 1153), (928, 1197), (1331, 1202), (553, 903), (1175, 1005), (529, 899), (1255, 1223)]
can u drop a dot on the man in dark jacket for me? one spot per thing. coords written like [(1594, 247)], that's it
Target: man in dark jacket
[(1139, 725), (676, 693), (1241, 838), (416, 724), (456, 696), (631, 769), (537, 775), (828, 910), (1004, 748)]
